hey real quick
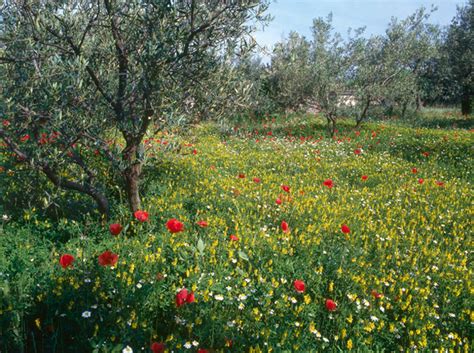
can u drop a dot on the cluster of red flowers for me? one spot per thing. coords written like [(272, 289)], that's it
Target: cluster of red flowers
[(300, 287), (107, 258), (184, 297)]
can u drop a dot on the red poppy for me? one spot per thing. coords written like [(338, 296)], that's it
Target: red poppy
[(233, 237), (241, 176), (183, 297), (115, 228), (439, 183), (357, 151), (66, 260), (285, 188), (299, 286), (345, 229), (6, 123), (202, 350), (329, 183), (278, 201), (141, 216), (330, 305), (284, 227), (190, 298), (174, 226), (202, 224), (108, 258), (364, 177), (157, 347), (195, 151), (426, 154), (256, 180), (421, 181), (414, 170), (25, 138), (376, 294)]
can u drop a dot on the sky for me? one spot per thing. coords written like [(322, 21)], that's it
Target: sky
[(297, 15)]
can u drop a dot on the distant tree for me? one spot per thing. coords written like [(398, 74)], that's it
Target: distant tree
[(390, 68), (76, 72), (290, 77), (458, 49), (329, 69)]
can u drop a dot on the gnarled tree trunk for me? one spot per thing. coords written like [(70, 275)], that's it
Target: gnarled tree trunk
[(132, 172)]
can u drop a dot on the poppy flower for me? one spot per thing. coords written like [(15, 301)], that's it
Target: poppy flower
[(285, 188), (345, 229), (195, 151), (66, 260), (256, 180), (439, 183), (115, 228), (202, 224), (299, 286), (329, 183), (426, 154), (278, 201), (183, 297), (414, 170), (284, 227), (190, 298), (202, 350), (108, 258), (421, 181), (174, 226), (157, 347), (241, 176), (364, 177), (25, 138), (6, 123), (233, 237), (330, 305), (357, 151), (141, 216)]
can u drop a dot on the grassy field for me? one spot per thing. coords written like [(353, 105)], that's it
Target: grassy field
[(377, 224)]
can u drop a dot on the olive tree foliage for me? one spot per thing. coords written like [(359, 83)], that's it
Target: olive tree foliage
[(389, 69), (459, 56), (263, 92), (76, 72), (290, 78), (330, 65)]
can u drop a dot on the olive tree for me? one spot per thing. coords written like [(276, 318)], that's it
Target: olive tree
[(329, 69), (390, 68), (76, 72), (290, 77), (458, 47)]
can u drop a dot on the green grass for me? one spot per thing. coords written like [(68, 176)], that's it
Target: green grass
[(410, 242)]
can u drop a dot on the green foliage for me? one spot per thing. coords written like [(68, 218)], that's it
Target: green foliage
[(408, 241), (90, 74)]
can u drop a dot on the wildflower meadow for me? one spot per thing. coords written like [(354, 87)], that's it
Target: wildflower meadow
[(258, 237)]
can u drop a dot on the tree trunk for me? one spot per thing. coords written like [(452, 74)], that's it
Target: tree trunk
[(331, 125), (419, 103), (132, 173), (404, 109), (466, 103), (363, 114)]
